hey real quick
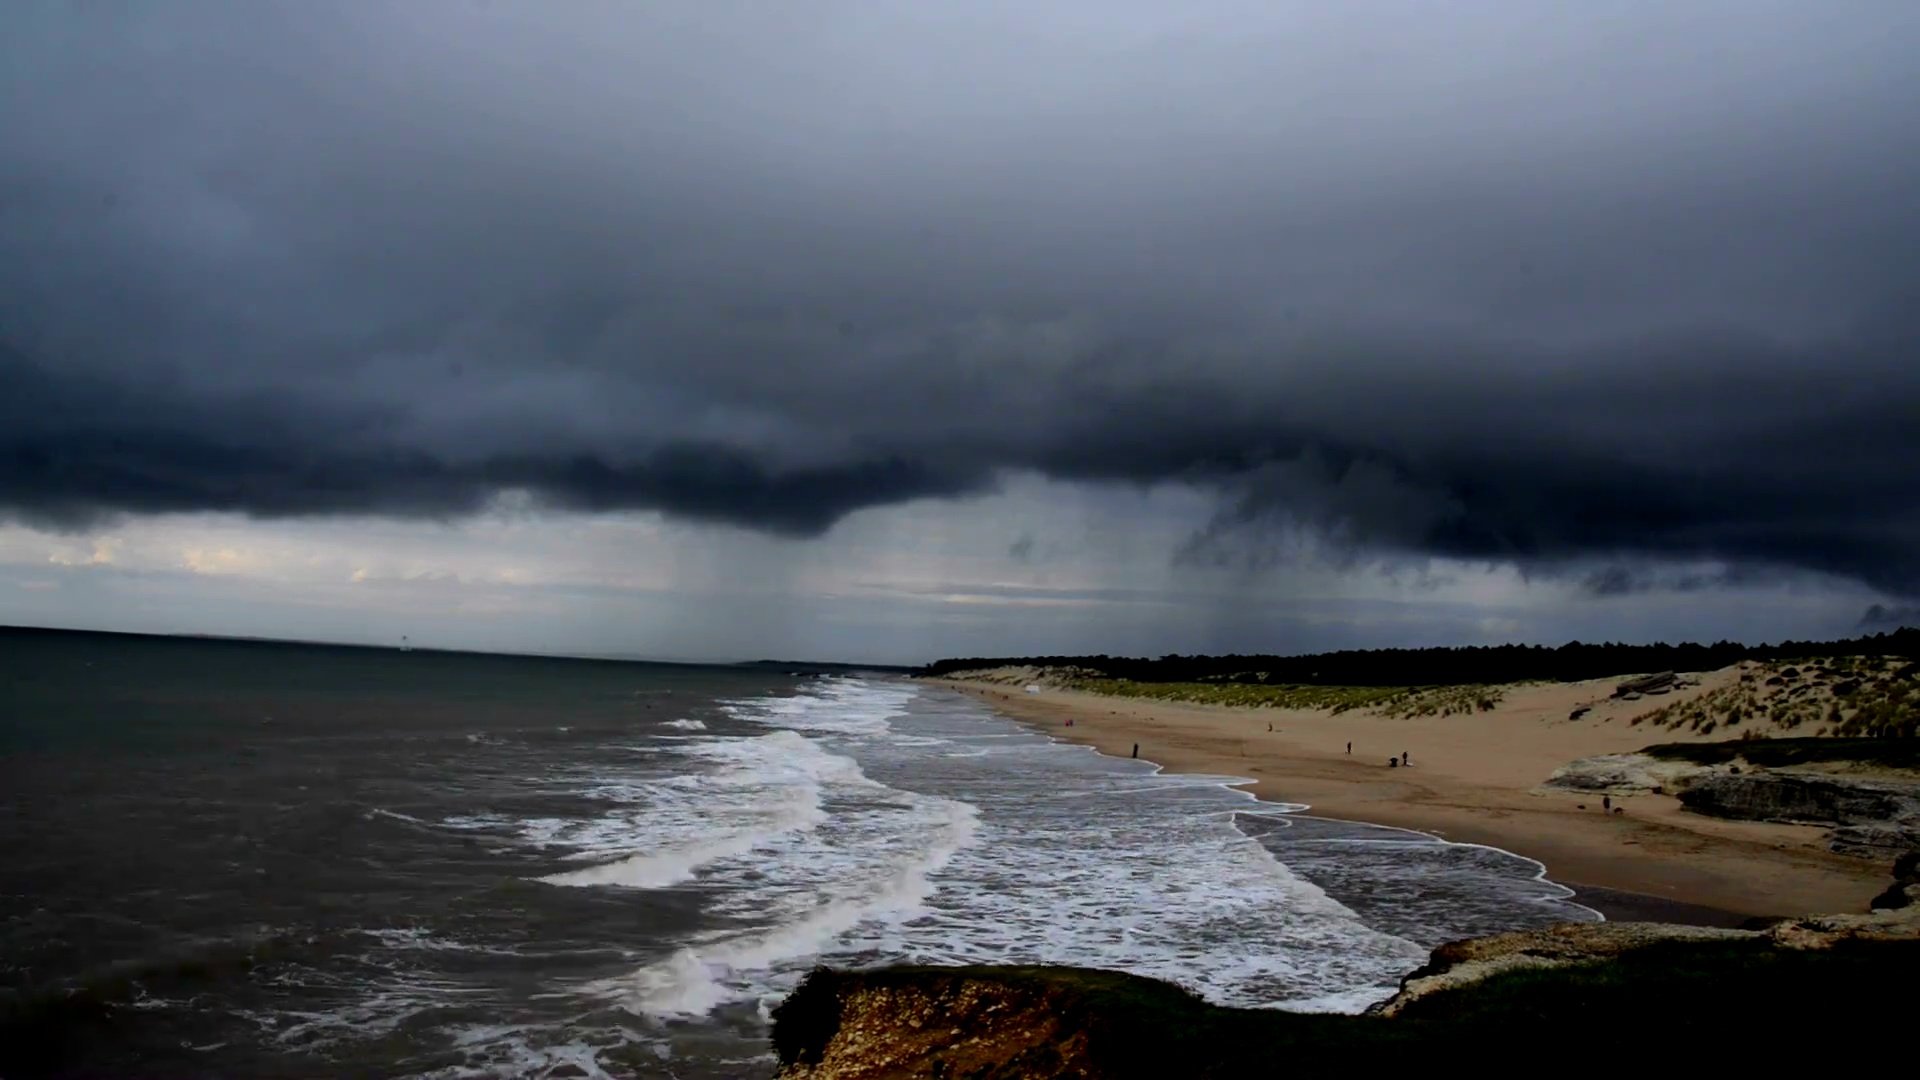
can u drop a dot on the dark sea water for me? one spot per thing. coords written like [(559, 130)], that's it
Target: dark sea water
[(224, 858)]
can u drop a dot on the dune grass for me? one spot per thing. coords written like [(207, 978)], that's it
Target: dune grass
[(1846, 696), (1401, 701)]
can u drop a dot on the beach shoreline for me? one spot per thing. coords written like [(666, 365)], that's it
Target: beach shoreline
[(1475, 779)]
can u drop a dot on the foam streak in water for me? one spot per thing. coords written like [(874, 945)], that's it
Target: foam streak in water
[(766, 787), (698, 978)]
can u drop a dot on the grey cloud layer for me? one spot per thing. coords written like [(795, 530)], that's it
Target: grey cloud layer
[(1489, 281)]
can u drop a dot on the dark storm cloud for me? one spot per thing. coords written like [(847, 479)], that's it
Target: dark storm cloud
[(1485, 282), (1619, 580), (77, 446), (1883, 617)]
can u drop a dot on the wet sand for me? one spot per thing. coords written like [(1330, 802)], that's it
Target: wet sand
[(1475, 779)]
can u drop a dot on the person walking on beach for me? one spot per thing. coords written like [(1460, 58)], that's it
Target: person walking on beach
[(1406, 758), (1606, 804), (1349, 749)]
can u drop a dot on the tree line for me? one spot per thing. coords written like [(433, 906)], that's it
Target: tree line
[(1449, 666)]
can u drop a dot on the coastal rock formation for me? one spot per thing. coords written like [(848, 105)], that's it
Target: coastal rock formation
[(1798, 798), (912, 1022), (1898, 895), (1658, 683), (1684, 989), (1873, 841), (1905, 890), (1871, 817), (1464, 963), (1620, 774)]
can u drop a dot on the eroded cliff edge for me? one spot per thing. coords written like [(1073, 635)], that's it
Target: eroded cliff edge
[(1698, 994), (1865, 791)]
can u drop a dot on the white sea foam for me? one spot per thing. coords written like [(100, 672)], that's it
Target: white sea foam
[(792, 844), (760, 789), (494, 1050), (1341, 1001), (687, 725), (371, 1004), (872, 887), (413, 937), (838, 707), (1162, 890)]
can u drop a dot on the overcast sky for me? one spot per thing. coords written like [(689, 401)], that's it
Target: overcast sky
[(883, 330)]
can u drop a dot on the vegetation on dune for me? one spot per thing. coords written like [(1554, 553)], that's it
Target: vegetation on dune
[(1446, 700), (1387, 700), (1876, 696), (1446, 666)]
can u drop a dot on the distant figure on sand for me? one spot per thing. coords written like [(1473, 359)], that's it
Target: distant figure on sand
[(1606, 802), (1136, 749), (1269, 726), (1393, 762), (1406, 758), (1349, 748)]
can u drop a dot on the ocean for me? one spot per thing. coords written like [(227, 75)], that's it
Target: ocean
[(236, 858)]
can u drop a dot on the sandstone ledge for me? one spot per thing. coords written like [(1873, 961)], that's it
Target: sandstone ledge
[(1696, 992)]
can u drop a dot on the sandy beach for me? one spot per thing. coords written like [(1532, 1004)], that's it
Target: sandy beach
[(1475, 779)]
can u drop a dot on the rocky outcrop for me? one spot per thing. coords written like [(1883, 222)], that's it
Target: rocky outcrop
[(1870, 817), (1905, 890), (1675, 987), (1873, 841), (847, 1025), (1798, 798), (1900, 894), (1620, 774), (1463, 963), (1658, 683)]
